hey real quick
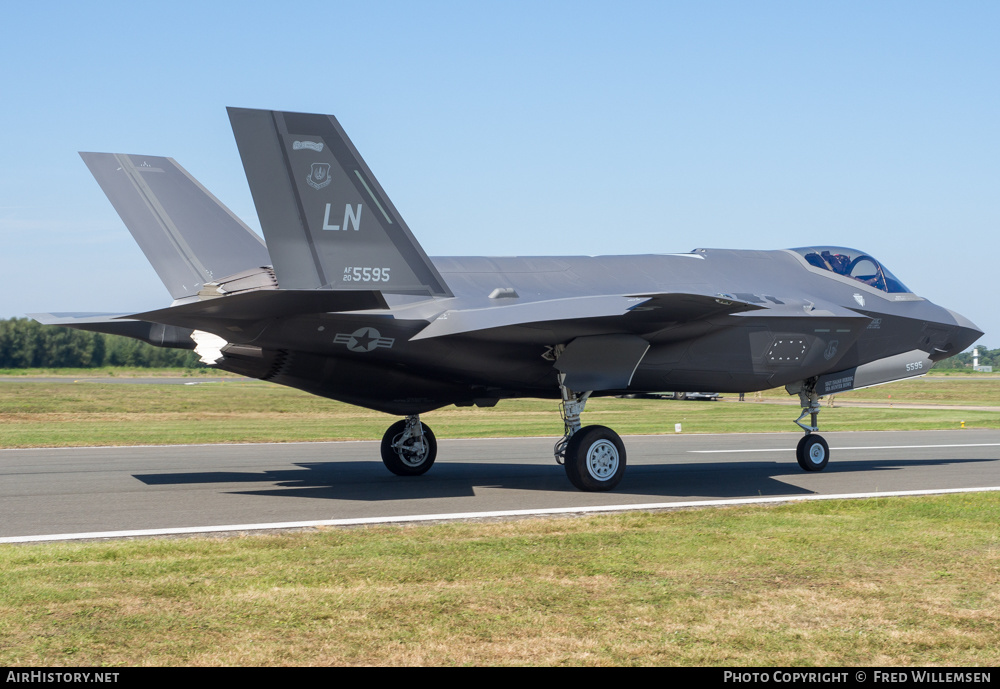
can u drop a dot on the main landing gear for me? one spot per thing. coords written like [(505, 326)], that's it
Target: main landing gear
[(409, 447), (812, 452), (594, 457)]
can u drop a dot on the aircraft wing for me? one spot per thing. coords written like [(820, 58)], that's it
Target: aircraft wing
[(811, 309), (645, 309)]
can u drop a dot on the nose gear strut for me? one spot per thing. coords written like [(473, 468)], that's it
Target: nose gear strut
[(812, 452)]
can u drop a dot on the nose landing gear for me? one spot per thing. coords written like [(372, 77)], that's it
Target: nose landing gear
[(812, 452)]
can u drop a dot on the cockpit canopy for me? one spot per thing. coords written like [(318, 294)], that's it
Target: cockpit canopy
[(853, 264)]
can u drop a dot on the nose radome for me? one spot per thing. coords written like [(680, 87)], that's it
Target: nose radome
[(965, 332)]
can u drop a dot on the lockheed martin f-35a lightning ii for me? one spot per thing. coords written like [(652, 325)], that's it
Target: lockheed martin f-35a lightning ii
[(342, 302)]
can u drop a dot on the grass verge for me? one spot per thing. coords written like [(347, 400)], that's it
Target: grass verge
[(876, 582), (44, 414), (873, 582)]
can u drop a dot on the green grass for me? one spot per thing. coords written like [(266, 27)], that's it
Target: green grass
[(873, 582), (94, 413), (963, 390), (115, 371)]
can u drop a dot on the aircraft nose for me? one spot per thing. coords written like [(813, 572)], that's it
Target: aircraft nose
[(963, 333)]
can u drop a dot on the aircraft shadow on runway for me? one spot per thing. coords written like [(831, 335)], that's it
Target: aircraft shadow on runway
[(368, 481)]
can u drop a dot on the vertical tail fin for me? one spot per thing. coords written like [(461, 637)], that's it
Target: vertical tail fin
[(327, 220), (188, 236)]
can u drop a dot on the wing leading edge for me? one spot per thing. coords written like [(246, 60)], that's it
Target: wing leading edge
[(650, 310)]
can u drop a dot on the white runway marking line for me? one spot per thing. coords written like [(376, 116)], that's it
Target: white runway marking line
[(483, 515), (870, 447)]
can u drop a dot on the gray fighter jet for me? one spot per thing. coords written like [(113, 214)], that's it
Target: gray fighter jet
[(342, 302)]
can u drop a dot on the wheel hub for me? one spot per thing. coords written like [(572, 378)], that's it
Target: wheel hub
[(817, 453), (602, 460), (411, 451)]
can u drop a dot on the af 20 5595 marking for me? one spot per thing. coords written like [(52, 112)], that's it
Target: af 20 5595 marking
[(365, 274)]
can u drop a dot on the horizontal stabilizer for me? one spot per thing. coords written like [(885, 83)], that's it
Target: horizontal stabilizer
[(327, 220), (262, 305), (186, 233), (115, 324)]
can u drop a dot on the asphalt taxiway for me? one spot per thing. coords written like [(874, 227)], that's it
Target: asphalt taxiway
[(194, 488)]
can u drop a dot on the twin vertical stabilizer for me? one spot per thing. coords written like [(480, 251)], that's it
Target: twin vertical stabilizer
[(189, 237), (327, 221)]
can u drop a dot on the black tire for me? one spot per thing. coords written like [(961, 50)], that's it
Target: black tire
[(812, 452), (407, 462), (595, 459)]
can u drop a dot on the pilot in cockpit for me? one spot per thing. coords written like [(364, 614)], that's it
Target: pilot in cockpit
[(853, 264), (838, 263)]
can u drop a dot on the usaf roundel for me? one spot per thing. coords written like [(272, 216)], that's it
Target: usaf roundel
[(364, 340)]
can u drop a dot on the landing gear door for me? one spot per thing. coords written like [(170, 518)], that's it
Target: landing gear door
[(887, 370), (601, 362)]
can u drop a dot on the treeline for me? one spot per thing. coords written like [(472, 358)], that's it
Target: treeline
[(987, 357), (25, 343)]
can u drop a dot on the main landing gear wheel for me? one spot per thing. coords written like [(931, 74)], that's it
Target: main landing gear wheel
[(408, 448), (595, 459), (812, 452)]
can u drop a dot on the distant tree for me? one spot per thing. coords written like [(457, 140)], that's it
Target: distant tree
[(98, 350), (25, 343), (987, 357), (19, 341)]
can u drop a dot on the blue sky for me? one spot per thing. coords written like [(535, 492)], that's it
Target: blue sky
[(505, 128)]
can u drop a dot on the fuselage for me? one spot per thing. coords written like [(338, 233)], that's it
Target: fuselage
[(779, 319)]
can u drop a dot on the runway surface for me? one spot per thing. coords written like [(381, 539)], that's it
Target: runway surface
[(96, 490)]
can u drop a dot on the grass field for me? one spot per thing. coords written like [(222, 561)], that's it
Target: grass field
[(870, 582), (876, 582), (36, 414)]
